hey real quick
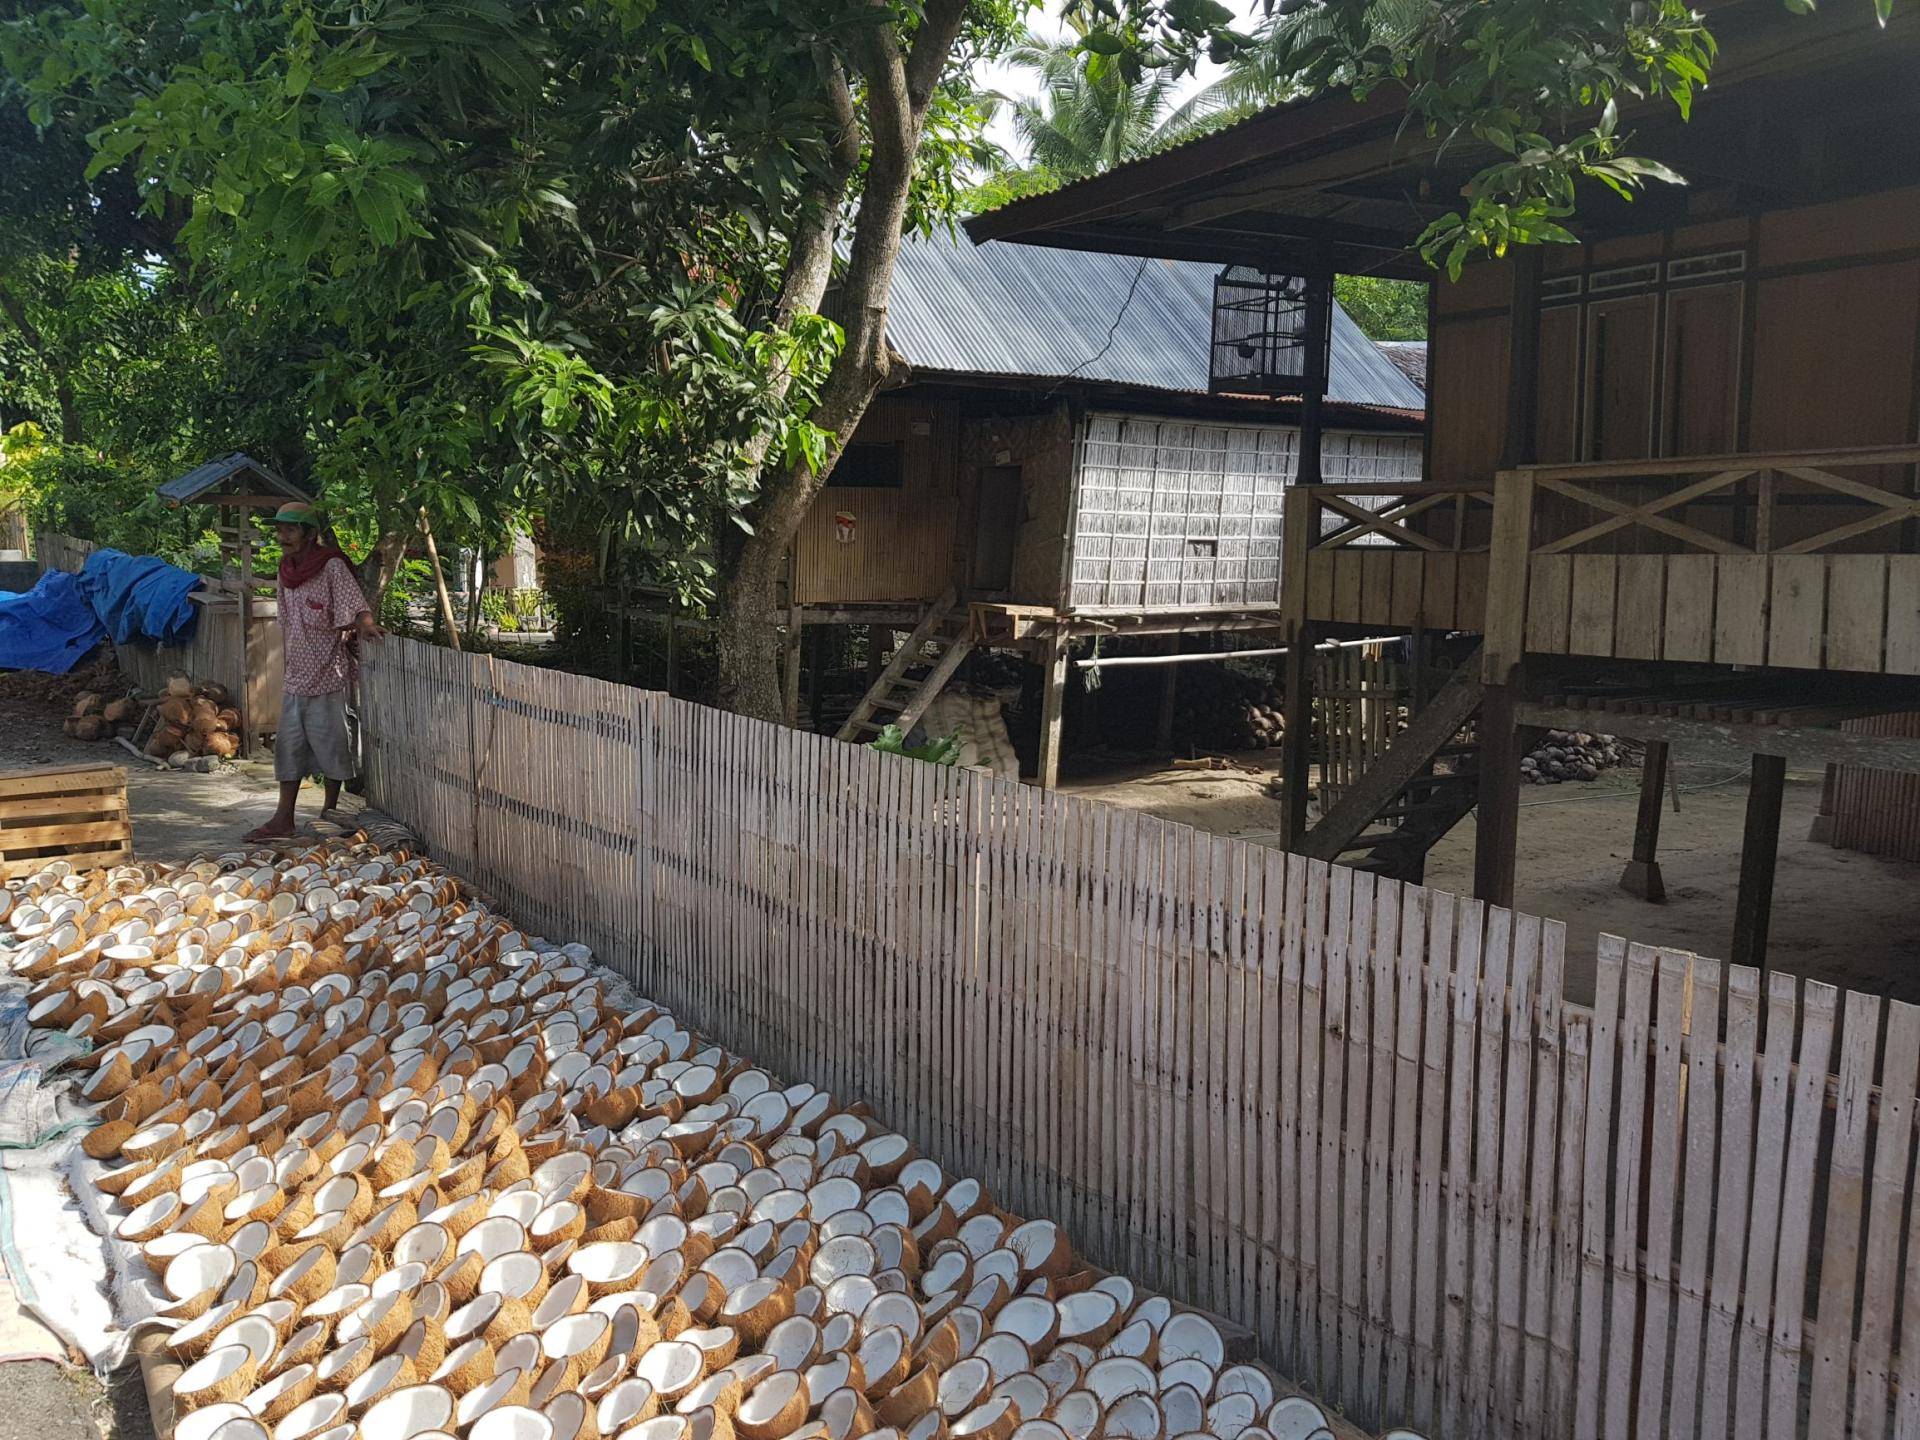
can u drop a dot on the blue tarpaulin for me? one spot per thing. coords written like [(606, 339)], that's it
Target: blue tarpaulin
[(127, 597), (140, 597)]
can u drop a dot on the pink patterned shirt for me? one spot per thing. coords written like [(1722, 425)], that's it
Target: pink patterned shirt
[(319, 661)]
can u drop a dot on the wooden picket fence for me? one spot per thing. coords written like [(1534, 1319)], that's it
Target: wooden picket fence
[(1353, 1115)]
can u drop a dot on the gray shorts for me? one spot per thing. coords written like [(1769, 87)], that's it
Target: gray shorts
[(315, 738)]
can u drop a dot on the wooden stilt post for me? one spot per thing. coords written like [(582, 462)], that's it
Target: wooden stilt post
[(673, 653), (790, 676), (1821, 831), (1296, 746), (1642, 876), (1053, 710), (879, 641), (1759, 849), (1496, 838)]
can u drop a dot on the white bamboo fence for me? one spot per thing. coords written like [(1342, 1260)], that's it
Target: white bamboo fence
[(1353, 1116)]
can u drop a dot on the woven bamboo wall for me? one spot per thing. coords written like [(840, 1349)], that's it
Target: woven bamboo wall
[(1355, 1116), (1878, 811), (1176, 515)]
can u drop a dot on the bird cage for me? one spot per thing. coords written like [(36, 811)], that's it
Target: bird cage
[(1263, 325)]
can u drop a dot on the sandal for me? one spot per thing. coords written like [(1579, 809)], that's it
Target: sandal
[(260, 834)]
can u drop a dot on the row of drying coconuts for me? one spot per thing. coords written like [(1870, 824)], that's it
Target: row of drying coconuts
[(403, 1174)]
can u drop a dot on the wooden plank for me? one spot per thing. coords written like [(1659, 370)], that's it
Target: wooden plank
[(1510, 1279), (1763, 1220), (1558, 1419), (1470, 597), (1334, 1021), (1409, 980), (1508, 586), (1319, 588), (89, 833), (1549, 603), (1797, 611), (1661, 1183), (1379, 1245), (1313, 982), (1740, 600), (1356, 1388), (1856, 612), (1348, 586), (1688, 625), (1627, 1170), (1590, 624), (1903, 615), (1846, 1169), (62, 780), (1486, 1410), (1730, 1234), (1817, 1007), (1544, 1012), (1436, 979), (1875, 1386), (1280, 921), (1376, 584), (1460, 1108), (1639, 606), (1409, 570), (1702, 1120)]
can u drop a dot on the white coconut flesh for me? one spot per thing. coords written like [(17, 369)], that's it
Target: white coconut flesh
[(1183, 1409), (1228, 1416), (407, 1413), (625, 1404), (1028, 1392), (512, 1422), (1188, 1335), (200, 1424), (1295, 1417)]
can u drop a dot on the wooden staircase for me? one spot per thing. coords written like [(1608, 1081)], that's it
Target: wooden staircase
[(1401, 785), (936, 647)]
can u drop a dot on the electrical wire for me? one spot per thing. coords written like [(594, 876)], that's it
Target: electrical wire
[(1113, 330)]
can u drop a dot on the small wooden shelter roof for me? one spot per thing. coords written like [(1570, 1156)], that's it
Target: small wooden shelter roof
[(258, 485)]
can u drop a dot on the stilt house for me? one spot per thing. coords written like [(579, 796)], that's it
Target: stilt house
[(1066, 458), (1673, 484)]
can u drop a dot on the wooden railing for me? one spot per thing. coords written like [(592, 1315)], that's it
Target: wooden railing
[(1801, 559), (1404, 554)]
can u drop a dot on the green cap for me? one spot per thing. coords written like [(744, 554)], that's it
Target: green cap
[(297, 512)]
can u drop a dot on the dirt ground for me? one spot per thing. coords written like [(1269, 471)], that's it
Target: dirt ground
[(1838, 916)]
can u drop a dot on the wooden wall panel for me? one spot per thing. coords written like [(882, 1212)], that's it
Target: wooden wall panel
[(1468, 398), (903, 539), (1557, 431)]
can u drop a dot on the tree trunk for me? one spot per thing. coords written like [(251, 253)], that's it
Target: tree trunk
[(898, 90), (382, 564)]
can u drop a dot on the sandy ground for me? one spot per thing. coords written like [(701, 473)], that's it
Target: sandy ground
[(1838, 916), (175, 815)]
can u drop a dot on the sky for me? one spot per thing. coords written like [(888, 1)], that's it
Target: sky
[(1019, 84)]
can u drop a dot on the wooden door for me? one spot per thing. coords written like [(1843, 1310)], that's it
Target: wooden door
[(1620, 389), (996, 527), (1703, 371)]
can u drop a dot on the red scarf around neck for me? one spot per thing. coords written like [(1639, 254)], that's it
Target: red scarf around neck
[(296, 572)]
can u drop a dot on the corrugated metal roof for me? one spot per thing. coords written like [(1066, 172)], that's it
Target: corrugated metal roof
[(196, 483), (1033, 310)]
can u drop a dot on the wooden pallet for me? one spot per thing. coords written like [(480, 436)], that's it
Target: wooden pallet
[(76, 813)]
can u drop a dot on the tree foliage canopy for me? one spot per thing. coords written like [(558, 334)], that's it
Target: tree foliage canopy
[(625, 263)]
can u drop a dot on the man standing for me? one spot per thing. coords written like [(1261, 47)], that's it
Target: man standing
[(323, 617)]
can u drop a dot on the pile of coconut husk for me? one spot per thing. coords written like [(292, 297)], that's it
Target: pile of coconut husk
[(194, 720), (400, 1169)]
